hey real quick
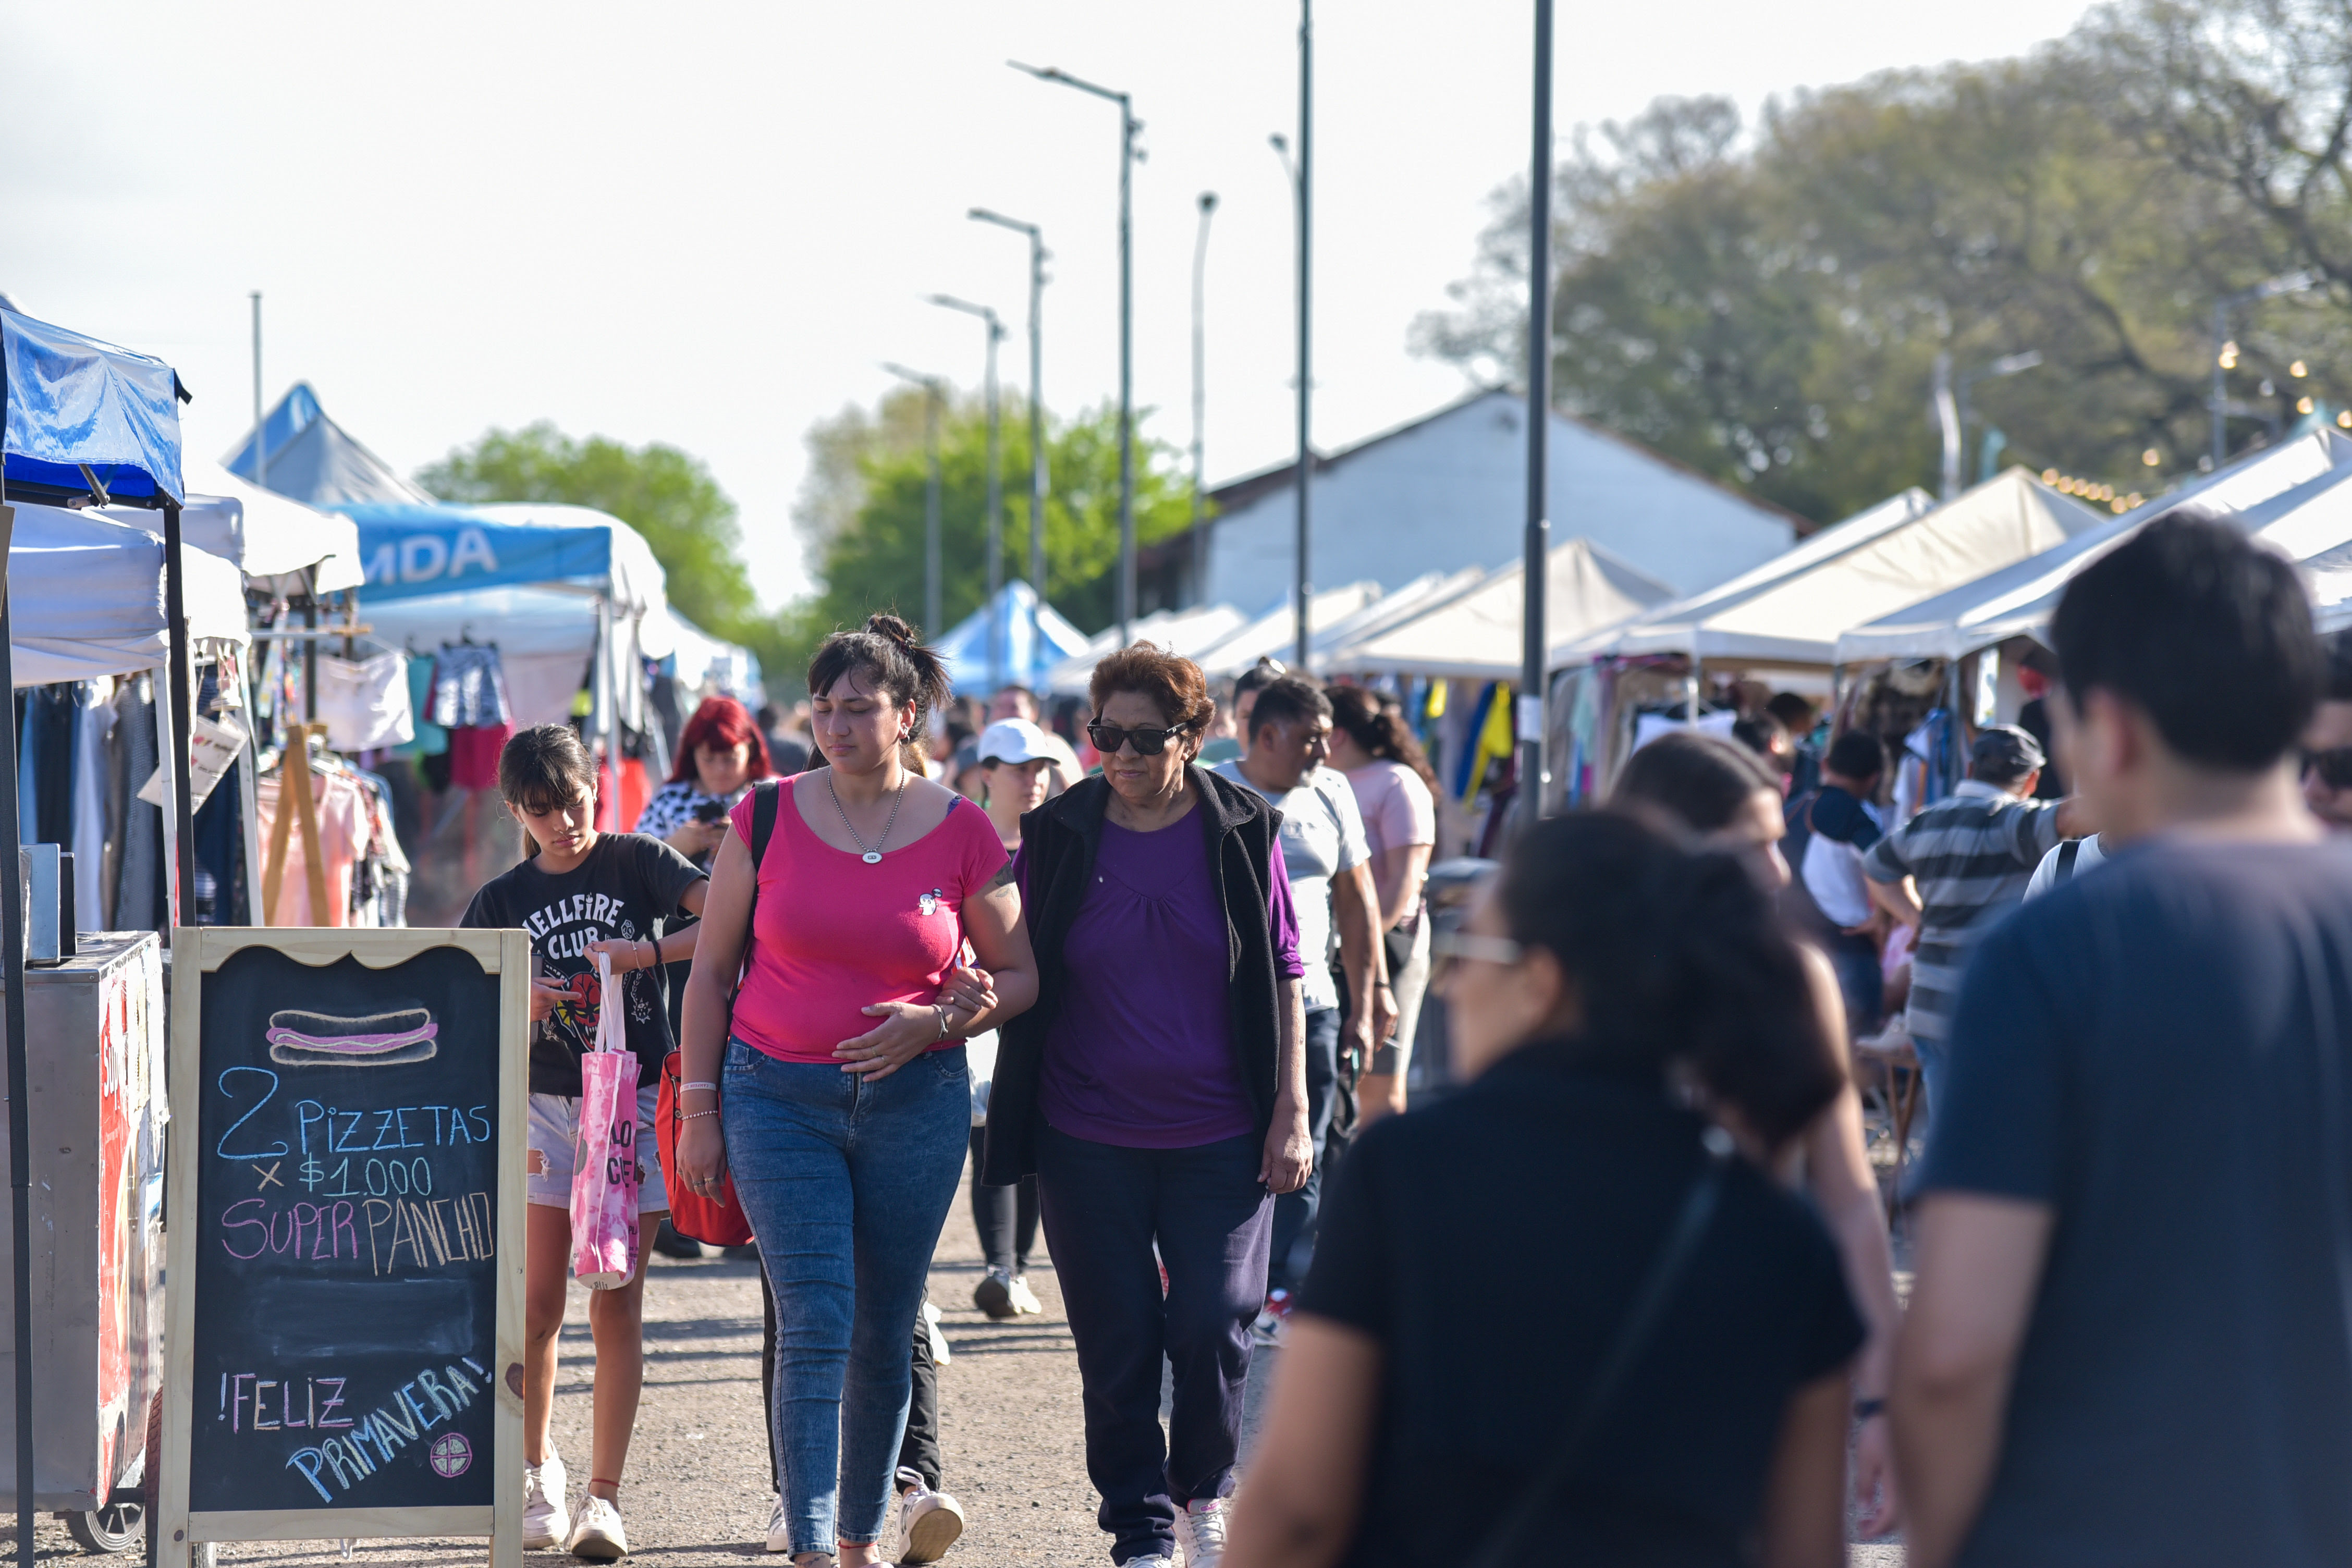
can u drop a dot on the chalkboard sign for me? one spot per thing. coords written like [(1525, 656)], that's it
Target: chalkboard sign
[(346, 1235)]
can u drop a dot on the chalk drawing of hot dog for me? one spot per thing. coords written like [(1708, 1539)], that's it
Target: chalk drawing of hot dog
[(300, 1038)]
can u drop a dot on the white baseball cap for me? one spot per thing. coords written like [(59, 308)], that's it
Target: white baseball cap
[(1016, 740)]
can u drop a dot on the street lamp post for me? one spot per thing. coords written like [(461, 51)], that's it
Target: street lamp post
[(1128, 156), (933, 395), (1302, 185), (2270, 288), (996, 490), (1953, 412), (1038, 476), (1200, 398), (1534, 650)]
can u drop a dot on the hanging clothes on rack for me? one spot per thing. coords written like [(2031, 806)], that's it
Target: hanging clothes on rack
[(93, 823), (138, 897), (469, 698), (364, 703)]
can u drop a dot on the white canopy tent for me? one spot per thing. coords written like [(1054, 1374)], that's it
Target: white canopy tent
[(2017, 597), (1415, 599), (86, 593), (1275, 633), (1476, 632), (1795, 620), (1690, 626), (711, 667), (264, 533), (1184, 633)]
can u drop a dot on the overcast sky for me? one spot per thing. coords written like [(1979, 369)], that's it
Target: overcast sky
[(707, 224)]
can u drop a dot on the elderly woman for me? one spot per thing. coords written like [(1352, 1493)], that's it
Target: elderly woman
[(1158, 1091)]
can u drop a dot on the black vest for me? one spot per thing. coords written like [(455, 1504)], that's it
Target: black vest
[(1060, 840)]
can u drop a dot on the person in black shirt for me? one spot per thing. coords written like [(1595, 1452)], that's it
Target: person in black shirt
[(2129, 1339), (581, 895), (1590, 1024)]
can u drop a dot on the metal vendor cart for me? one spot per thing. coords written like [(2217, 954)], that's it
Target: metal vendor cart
[(95, 1039)]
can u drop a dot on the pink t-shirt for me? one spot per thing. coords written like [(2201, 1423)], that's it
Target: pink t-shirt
[(833, 935), (1396, 806)]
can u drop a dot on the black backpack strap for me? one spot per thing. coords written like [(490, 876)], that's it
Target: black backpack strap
[(764, 798), (2067, 855)]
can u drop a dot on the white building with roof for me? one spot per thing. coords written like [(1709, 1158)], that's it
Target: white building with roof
[(1449, 490)]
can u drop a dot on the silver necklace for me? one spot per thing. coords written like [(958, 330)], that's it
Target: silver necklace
[(871, 857)]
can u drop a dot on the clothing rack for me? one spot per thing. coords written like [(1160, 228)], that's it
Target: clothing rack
[(295, 780)]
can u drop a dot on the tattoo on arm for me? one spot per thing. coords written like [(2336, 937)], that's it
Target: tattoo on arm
[(1003, 878)]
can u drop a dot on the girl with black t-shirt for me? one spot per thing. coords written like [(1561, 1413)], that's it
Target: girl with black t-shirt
[(1607, 986), (585, 893)]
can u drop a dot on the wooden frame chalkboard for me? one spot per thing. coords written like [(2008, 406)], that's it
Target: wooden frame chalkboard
[(346, 1236)]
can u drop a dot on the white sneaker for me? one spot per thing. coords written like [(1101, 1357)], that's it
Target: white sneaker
[(930, 1523), (1024, 1298), (599, 1536), (941, 1354), (1201, 1529), (779, 1535), (545, 1521)]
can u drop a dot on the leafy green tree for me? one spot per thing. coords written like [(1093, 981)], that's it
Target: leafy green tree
[(663, 494), (1767, 303), (862, 513)]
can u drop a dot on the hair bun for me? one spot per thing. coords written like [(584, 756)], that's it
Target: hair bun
[(891, 626)]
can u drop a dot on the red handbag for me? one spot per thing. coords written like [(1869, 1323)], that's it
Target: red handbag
[(719, 1220)]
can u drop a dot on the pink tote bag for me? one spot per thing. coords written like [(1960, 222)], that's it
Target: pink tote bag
[(604, 1174)]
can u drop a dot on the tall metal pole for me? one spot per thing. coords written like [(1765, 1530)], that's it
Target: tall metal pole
[(1201, 400), (1040, 477), (2221, 387), (1535, 651), (932, 567), (20, 1120), (1127, 153), (1303, 585), (260, 435), (995, 520), (1945, 407), (1128, 156), (183, 811)]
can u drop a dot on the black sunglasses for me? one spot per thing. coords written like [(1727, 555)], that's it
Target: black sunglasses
[(2334, 767), (1149, 742)]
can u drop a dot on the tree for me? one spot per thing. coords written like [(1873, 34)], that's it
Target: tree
[(1767, 304), (660, 492), (861, 513)]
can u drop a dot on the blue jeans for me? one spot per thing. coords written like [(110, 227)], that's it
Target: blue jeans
[(847, 1182), (1294, 1213)]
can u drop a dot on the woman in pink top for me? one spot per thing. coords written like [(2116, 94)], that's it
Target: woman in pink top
[(842, 1107), (1396, 792)]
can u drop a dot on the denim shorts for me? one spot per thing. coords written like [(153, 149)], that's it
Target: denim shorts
[(554, 1135)]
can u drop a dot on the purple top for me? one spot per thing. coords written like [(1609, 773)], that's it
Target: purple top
[(1142, 1054)]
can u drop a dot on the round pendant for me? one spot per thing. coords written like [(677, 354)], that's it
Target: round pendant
[(873, 857)]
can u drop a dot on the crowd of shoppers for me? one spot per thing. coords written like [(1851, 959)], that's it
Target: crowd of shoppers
[(1137, 1001)]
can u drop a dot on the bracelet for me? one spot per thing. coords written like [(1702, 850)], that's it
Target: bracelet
[(942, 1012), (1864, 1409), (690, 1115), (712, 1087)]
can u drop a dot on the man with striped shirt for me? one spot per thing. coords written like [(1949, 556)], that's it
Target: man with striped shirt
[(1953, 871)]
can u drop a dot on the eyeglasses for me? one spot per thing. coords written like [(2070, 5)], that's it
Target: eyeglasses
[(1450, 947), (2334, 767), (1149, 742)]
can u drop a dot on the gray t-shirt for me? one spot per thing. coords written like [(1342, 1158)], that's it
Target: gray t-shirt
[(1322, 835)]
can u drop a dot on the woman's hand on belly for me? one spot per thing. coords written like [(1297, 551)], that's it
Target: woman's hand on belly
[(907, 1030)]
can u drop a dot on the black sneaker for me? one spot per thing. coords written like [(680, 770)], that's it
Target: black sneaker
[(993, 1294)]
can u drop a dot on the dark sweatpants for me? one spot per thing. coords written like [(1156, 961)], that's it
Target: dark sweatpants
[(1294, 1213), (1104, 1206)]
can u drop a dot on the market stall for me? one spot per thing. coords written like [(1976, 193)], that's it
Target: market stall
[(1475, 633), (1022, 658)]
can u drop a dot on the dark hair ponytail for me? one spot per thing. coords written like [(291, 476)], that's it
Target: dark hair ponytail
[(1378, 731), (889, 654), (1679, 961)]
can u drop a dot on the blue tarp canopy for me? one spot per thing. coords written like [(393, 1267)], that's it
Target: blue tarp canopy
[(965, 648), (316, 461), (74, 400), (411, 551)]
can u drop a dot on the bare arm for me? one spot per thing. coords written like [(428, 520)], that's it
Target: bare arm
[(725, 905), (1899, 899), (1845, 1190), (1372, 1013), (1804, 1497), (1979, 1262), (1304, 1489), (2074, 819), (1289, 1151), (1396, 878), (999, 938)]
